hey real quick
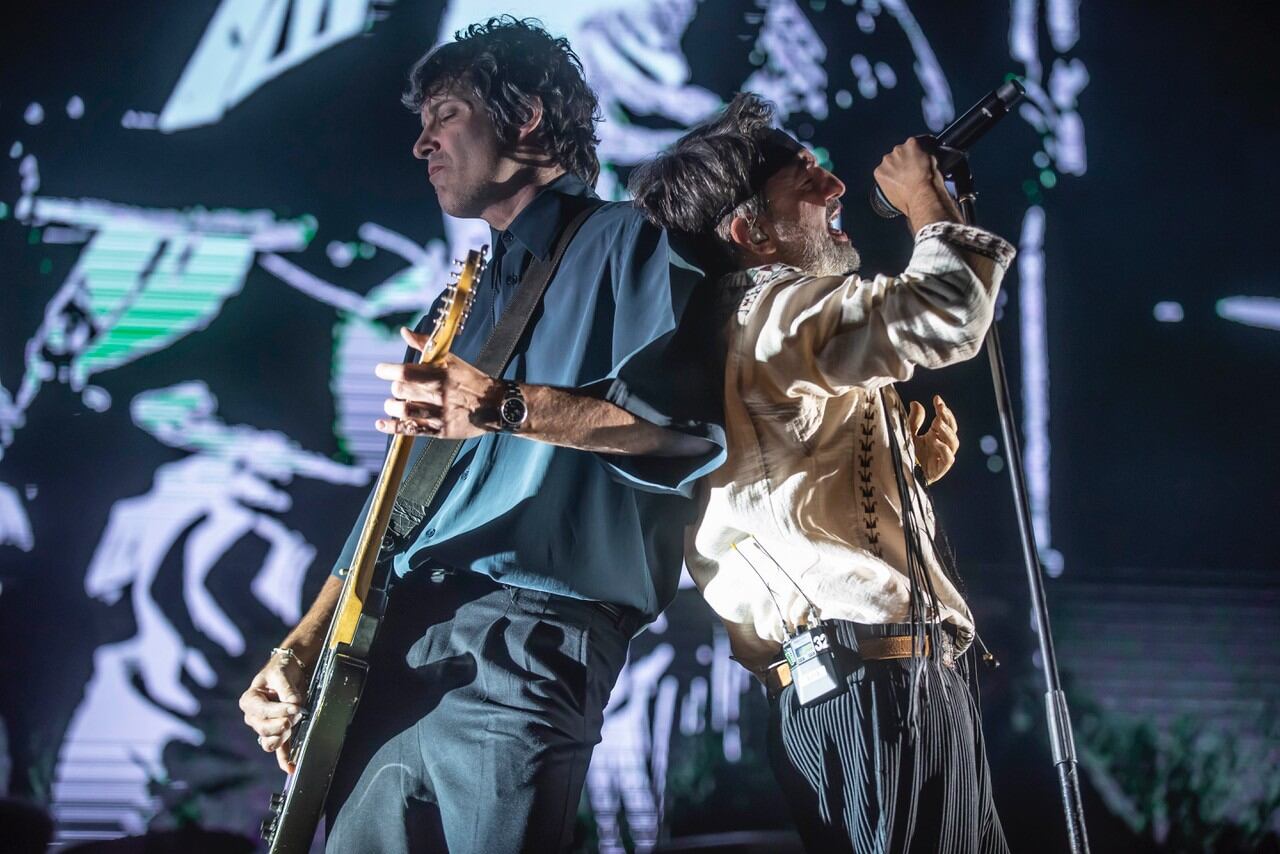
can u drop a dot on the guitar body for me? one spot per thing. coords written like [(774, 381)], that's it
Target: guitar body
[(343, 665), (331, 702)]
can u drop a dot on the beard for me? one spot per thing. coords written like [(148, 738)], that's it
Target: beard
[(814, 251)]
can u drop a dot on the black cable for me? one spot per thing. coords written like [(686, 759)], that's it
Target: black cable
[(917, 575), (813, 608), (772, 596)]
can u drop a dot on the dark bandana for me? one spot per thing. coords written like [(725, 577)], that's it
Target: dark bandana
[(777, 149)]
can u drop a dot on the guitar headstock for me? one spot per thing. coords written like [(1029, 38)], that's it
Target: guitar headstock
[(455, 305)]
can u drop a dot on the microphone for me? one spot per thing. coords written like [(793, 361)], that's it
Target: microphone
[(958, 137)]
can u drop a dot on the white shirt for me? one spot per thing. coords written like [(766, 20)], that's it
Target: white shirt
[(810, 481)]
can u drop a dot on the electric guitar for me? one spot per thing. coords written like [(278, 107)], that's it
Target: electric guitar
[(344, 660)]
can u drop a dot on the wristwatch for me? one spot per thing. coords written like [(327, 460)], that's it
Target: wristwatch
[(513, 414)]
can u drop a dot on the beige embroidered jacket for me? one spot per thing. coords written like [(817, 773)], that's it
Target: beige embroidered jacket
[(808, 499)]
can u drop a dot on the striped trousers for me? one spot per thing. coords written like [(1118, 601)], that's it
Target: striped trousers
[(858, 778)]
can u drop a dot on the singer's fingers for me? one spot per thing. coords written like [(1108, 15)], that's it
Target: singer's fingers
[(946, 434), (944, 412), (915, 417), (946, 459)]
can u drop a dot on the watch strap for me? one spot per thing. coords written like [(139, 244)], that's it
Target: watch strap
[(427, 474)]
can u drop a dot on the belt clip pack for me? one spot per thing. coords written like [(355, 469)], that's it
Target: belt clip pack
[(815, 671)]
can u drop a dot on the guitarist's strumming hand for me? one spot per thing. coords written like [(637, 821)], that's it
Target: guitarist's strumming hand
[(273, 705), (447, 398), (274, 702)]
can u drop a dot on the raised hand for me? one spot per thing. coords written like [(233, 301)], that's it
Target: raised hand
[(935, 449), (909, 177)]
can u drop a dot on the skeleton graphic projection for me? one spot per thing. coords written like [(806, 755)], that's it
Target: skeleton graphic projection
[(229, 488)]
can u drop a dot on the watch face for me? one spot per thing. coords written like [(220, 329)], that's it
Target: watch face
[(513, 411)]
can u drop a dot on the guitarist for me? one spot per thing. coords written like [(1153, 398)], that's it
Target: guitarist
[(557, 532)]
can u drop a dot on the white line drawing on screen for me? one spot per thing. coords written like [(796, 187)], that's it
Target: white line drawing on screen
[(1263, 312), (627, 770), (362, 338), (145, 279), (249, 43), (1051, 109), (792, 75), (225, 491), (15, 526), (936, 106), (1035, 381)]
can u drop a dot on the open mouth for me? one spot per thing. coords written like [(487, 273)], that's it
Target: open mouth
[(833, 225)]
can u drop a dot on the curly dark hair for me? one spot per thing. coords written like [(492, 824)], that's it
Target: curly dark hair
[(507, 62), (705, 179)]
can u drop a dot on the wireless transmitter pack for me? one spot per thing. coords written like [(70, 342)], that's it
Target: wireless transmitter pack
[(810, 650), (814, 669)]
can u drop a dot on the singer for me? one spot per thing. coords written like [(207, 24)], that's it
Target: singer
[(818, 545)]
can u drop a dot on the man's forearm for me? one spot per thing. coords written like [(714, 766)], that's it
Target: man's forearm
[(307, 637), (930, 207), (938, 207), (452, 399), (571, 419)]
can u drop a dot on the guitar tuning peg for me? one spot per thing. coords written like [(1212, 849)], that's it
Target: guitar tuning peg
[(457, 263)]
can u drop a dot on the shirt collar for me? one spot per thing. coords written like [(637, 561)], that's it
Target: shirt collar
[(538, 225)]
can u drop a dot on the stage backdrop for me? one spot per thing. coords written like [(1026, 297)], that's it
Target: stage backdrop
[(211, 227)]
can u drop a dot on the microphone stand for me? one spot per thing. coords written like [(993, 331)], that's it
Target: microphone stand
[(1061, 740)]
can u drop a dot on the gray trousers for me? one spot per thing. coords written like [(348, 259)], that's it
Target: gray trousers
[(858, 779), (481, 710)]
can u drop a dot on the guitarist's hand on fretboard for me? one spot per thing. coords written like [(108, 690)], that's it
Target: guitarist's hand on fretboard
[(447, 398)]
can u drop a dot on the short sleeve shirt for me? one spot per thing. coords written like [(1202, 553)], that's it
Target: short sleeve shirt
[(625, 319)]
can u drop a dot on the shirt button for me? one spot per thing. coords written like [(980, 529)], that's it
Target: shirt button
[(511, 280), (464, 474), (506, 237), (431, 532)]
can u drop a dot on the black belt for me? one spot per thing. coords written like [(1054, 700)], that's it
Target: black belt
[(626, 619)]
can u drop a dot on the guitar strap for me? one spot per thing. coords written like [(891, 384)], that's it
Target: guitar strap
[(420, 485)]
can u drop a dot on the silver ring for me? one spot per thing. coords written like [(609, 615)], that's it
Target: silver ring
[(260, 742)]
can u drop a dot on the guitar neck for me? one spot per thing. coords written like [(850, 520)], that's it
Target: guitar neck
[(355, 589)]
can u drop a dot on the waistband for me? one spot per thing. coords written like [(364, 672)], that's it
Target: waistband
[(624, 618), (874, 642)]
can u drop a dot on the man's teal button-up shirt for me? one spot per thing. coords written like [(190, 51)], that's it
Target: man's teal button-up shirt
[(625, 318)]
